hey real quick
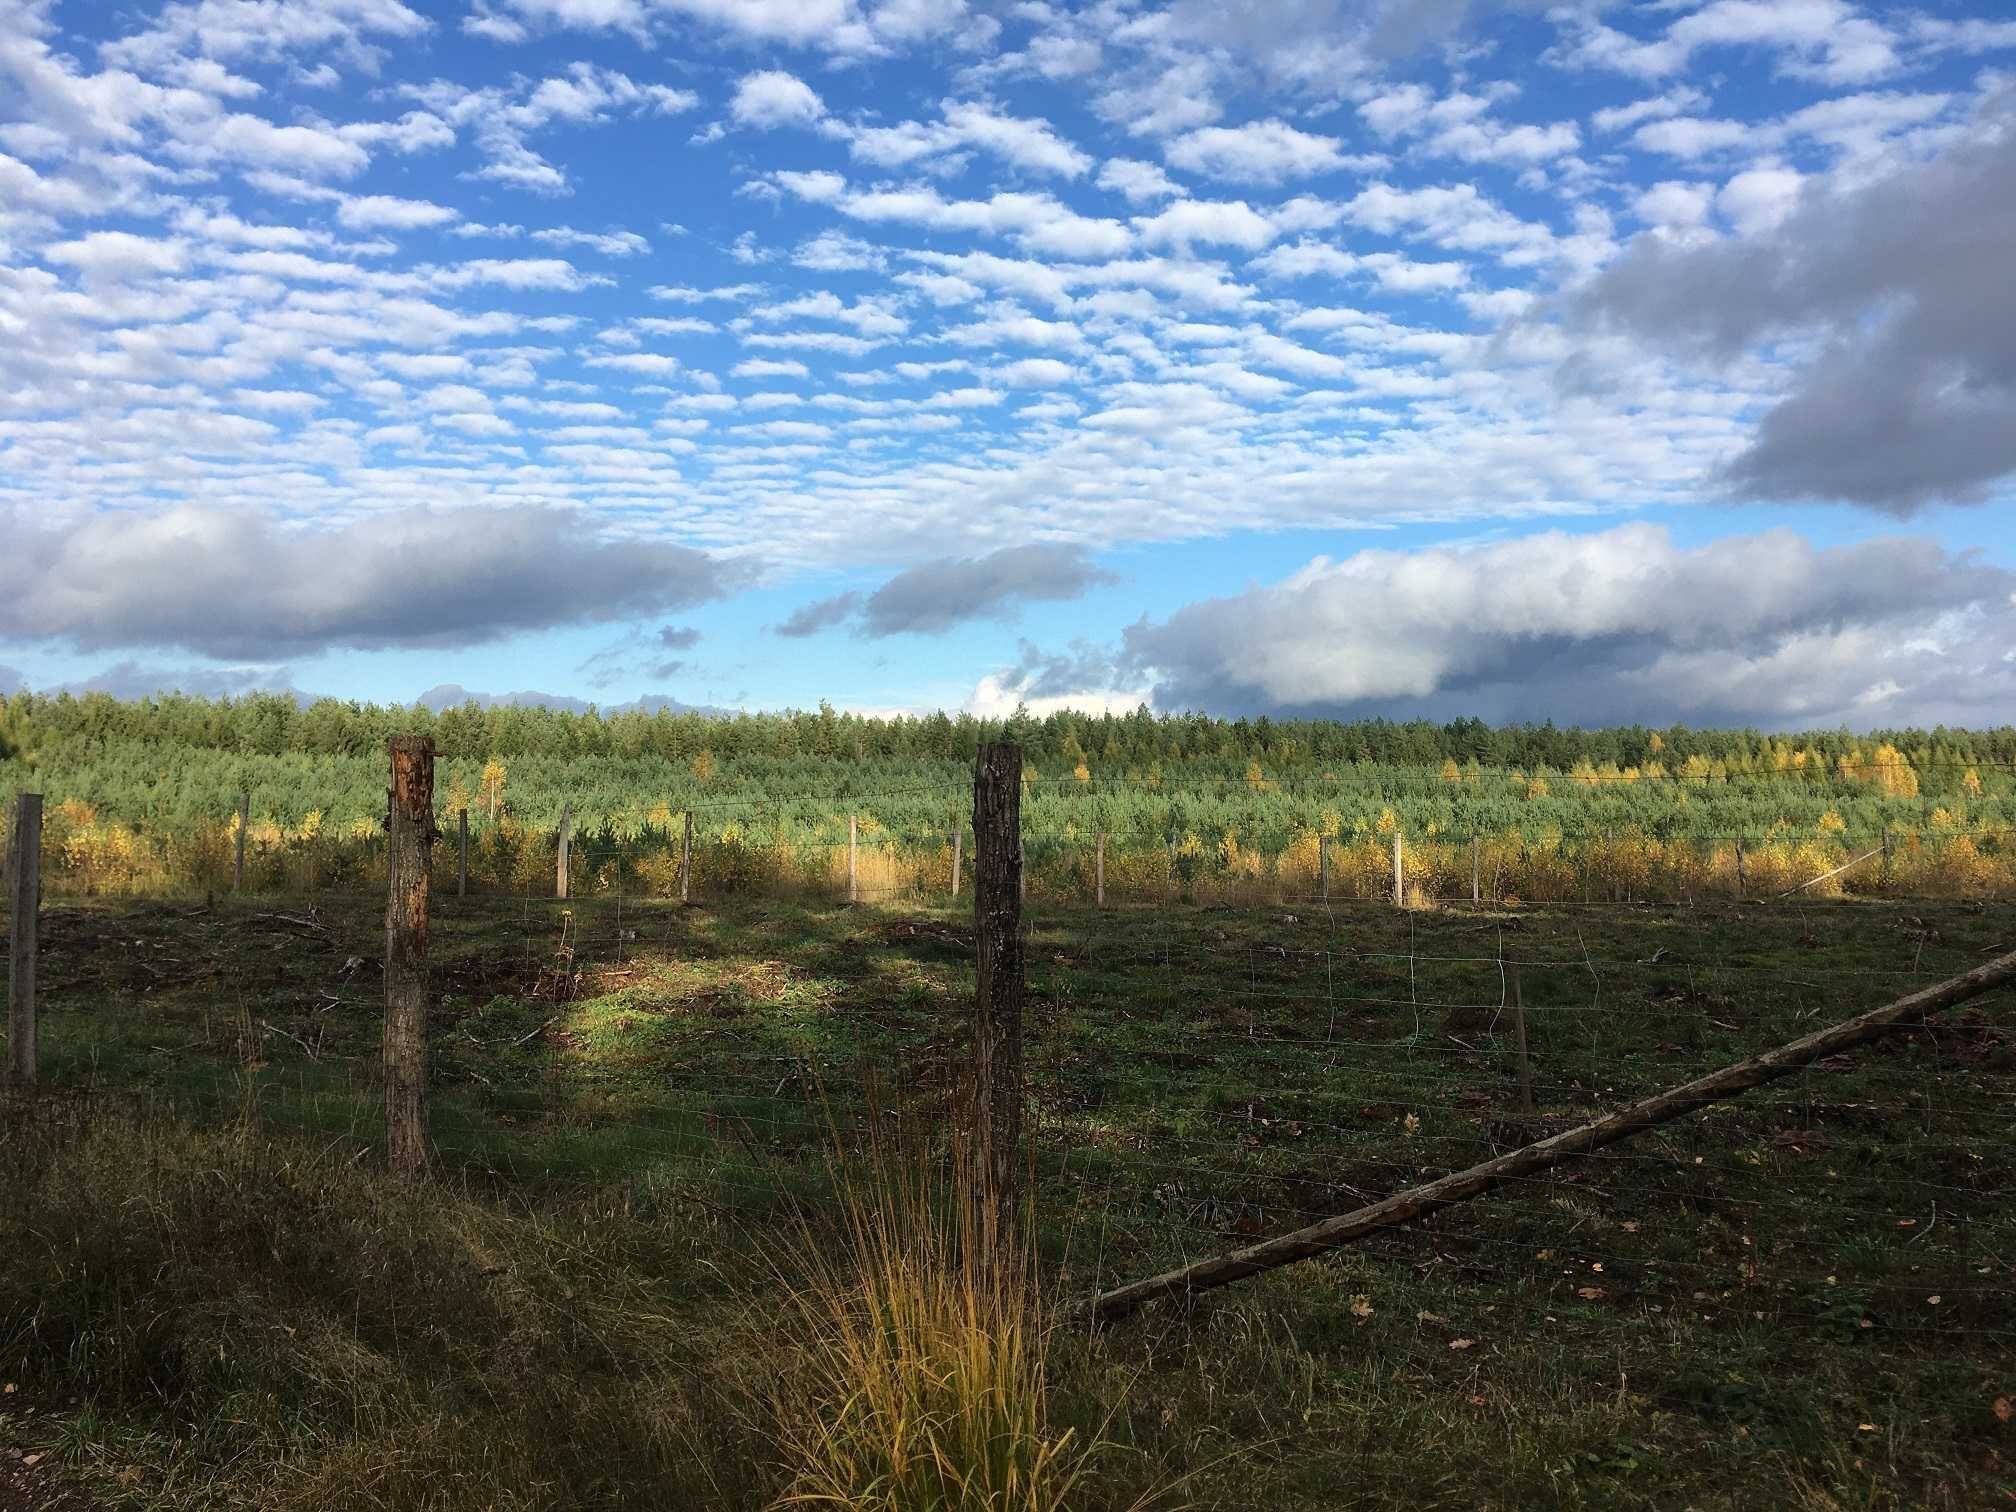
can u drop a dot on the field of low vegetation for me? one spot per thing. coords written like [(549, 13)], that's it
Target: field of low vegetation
[(653, 1268), (143, 801)]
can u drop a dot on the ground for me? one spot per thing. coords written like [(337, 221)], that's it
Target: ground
[(1801, 1297)]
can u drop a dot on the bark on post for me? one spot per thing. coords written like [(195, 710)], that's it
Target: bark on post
[(853, 844), (1099, 870), (566, 844), (238, 858), (24, 887), (686, 862), (998, 949), (1399, 872), (408, 852), (462, 865), (1613, 1128)]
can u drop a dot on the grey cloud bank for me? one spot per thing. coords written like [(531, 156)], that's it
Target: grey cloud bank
[(1902, 287), (235, 585)]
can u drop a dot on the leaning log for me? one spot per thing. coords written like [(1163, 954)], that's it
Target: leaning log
[(1625, 1123)]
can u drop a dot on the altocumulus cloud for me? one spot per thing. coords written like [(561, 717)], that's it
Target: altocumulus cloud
[(236, 585), (1615, 625)]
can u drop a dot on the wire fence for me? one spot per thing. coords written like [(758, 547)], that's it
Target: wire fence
[(1202, 1070)]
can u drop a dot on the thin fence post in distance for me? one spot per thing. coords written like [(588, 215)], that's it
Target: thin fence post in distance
[(1323, 865), (410, 835), (686, 862), (238, 857), (998, 959), (958, 846), (1099, 870), (24, 887), (462, 866), (1399, 872), (1742, 884), (853, 843), (1476, 869), (1886, 858), (566, 838)]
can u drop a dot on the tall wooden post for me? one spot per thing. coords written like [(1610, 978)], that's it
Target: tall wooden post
[(1399, 872), (958, 846), (24, 887), (408, 852), (566, 844), (1742, 882), (1476, 870), (686, 862), (1323, 865), (998, 947), (1886, 858), (1099, 871), (853, 846), (238, 860), (462, 865)]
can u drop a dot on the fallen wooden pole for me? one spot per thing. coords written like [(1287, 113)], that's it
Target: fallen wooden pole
[(1461, 1186)]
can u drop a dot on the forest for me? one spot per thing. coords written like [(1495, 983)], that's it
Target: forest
[(144, 796)]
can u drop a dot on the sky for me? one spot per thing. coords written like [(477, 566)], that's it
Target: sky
[(1592, 362)]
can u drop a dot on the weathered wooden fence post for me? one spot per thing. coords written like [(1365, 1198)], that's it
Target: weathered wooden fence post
[(686, 862), (462, 866), (24, 888), (566, 845), (1742, 883), (1399, 872), (998, 951), (1476, 870), (1323, 865), (410, 836), (238, 859), (853, 847), (958, 847), (1099, 870)]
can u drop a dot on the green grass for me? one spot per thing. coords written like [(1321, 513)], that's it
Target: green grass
[(631, 1115)]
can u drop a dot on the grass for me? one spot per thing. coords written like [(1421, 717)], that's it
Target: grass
[(606, 1298)]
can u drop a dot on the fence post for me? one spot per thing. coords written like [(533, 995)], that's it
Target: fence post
[(1742, 885), (686, 862), (408, 852), (1323, 865), (462, 867), (998, 953), (1099, 871), (1476, 870), (958, 846), (853, 843), (24, 879), (1399, 872), (238, 860), (566, 844), (1886, 858)]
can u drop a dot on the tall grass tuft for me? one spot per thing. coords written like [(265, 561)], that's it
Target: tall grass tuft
[(921, 1379)]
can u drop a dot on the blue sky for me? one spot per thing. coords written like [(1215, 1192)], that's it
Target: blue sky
[(1587, 362)]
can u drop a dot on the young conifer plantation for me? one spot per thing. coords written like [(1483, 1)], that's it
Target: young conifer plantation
[(143, 797)]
